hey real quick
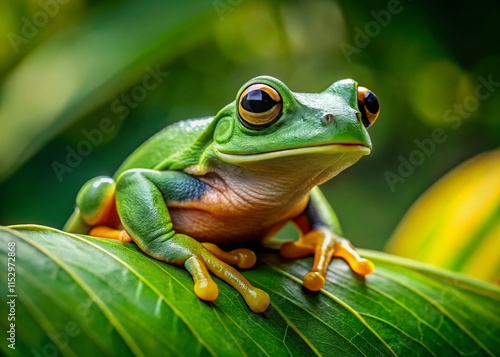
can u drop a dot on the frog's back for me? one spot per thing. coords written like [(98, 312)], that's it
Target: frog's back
[(171, 140)]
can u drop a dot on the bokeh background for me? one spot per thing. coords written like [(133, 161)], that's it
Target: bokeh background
[(67, 66)]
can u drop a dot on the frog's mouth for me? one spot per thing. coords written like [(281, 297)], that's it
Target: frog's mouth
[(326, 149)]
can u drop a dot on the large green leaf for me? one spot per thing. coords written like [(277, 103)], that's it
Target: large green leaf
[(80, 295)]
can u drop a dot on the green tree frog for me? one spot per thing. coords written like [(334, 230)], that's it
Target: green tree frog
[(238, 176)]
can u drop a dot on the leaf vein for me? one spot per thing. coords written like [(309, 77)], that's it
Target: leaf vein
[(342, 303), (403, 306), (119, 328), (441, 308), (144, 280), (396, 328)]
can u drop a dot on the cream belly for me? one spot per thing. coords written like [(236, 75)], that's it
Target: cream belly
[(228, 225), (206, 227)]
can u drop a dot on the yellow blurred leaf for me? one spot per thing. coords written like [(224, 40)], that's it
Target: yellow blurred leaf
[(456, 223)]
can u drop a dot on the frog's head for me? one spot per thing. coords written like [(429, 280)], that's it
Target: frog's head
[(267, 121)]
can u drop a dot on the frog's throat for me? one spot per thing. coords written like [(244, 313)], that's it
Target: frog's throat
[(309, 150)]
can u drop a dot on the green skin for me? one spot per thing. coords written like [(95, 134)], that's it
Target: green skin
[(217, 180)]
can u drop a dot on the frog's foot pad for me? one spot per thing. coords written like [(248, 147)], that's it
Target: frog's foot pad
[(325, 246), (202, 260), (242, 258), (108, 232), (204, 287)]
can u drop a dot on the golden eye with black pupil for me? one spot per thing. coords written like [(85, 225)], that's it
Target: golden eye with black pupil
[(368, 105), (259, 106)]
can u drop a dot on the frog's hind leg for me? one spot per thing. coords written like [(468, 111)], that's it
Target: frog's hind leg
[(76, 224), (95, 213)]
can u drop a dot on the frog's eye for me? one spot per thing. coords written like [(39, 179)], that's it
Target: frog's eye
[(259, 106), (368, 105)]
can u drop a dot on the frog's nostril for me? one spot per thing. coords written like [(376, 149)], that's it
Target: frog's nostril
[(327, 118)]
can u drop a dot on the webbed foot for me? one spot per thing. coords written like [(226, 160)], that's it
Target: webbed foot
[(325, 245), (202, 259)]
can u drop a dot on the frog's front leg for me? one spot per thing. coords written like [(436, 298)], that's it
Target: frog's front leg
[(321, 238), (140, 199)]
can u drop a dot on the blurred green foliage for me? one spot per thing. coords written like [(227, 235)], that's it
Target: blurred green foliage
[(62, 73)]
